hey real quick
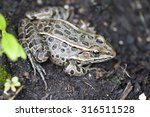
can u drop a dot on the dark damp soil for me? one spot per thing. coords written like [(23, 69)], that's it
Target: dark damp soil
[(125, 23)]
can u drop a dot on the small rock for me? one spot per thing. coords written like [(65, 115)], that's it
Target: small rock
[(148, 39), (39, 2), (26, 75), (121, 42)]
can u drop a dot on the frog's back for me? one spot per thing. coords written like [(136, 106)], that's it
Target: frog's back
[(64, 39), (65, 32)]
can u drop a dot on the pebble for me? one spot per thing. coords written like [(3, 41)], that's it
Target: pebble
[(39, 2), (142, 97), (121, 42)]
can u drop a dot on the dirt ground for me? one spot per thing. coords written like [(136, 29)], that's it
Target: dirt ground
[(125, 23)]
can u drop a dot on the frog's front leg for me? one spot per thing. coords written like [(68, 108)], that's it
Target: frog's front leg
[(50, 12), (74, 69)]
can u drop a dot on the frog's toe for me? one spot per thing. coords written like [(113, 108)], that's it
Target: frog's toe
[(84, 25), (41, 69), (42, 72), (37, 67)]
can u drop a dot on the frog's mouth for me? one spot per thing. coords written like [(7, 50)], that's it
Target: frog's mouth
[(93, 60)]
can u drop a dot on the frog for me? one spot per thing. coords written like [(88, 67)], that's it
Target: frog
[(52, 33)]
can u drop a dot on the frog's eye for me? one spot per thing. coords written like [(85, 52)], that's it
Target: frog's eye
[(96, 53)]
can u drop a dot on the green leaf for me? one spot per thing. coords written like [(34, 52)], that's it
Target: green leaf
[(22, 53), (14, 79), (1, 52), (10, 46), (13, 88), (7, 85), (2, 23)]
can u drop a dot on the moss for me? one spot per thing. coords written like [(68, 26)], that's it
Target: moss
[(3, 76)]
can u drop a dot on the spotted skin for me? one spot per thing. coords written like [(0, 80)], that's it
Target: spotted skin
[(50, 33)]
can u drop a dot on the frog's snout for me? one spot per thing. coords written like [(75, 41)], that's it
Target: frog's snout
[(113, 53), (108, 52)]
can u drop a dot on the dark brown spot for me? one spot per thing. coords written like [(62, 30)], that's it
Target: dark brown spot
[(29, 29), (28, 25), (83, 36), (74, 49), (85, 43), (40, 26), (54, 46), (24, 44), (64, 44), (54, 13), (67, 26), (84, 71), (50, 39), (57, 56), (29, 34), (60, 63), (72, 72), (57, 26), (49, 23), (67, 32), (52, 56), (78, 69), (46, 29), (74, 39), (90, 37), (30, 45), (62, 50), (63, 59), (58, 32)]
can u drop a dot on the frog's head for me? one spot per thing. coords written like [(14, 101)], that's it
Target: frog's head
[(100, 51)]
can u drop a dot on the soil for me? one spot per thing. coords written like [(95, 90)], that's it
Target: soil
[(125, 23)]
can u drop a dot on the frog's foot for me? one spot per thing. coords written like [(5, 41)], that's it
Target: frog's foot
[(50, 12), (84, 25), (74, 69), (37, 67)]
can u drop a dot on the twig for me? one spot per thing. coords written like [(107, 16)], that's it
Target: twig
[(88, 84), (127, 90), (16, 93)]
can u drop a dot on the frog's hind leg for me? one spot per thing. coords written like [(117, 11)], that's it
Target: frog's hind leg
[(50, 12), (84, 25), (73, 69), (39, 68), (34, 47)]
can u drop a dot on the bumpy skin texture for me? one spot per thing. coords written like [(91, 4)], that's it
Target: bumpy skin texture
[(52, 33)]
